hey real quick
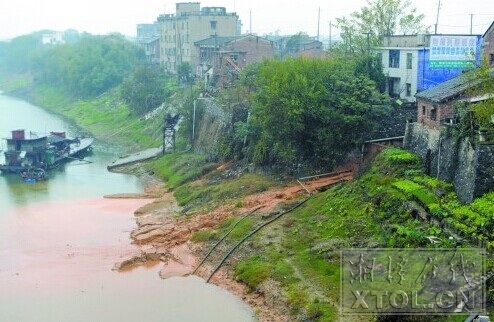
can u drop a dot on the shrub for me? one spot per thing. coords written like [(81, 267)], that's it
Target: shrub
[(399, 156)]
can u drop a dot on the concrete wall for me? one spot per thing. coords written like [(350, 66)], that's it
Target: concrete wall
[(403, 73), (420, 40), (179, 32), (463, 162)]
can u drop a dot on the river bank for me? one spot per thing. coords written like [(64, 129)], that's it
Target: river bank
[(164, 234)]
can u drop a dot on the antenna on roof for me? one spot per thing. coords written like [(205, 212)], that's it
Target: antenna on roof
[(437, 17)]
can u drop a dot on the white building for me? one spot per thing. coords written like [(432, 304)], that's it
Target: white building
[(54, 38), (413, 63)]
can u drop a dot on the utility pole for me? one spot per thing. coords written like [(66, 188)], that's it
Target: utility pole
[(437, 17), (250, 22), (329, 35), (318, 20), (194, 121), (471, 23)]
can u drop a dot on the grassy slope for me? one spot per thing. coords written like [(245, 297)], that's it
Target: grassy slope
[(301, 250), (104, 117)]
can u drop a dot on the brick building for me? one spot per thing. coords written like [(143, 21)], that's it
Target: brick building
[(435, 106), (221, 59), (488, 45)]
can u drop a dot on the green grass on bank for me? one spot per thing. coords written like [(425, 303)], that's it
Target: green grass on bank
[(180, 168), (229, 190), (104, 117), (393, 205)]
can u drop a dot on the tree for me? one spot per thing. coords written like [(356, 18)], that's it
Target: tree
[(184, 71), (310, 111), (482, 85), (144, 89), (379, 18), (294, 42), (19, 52), (89, 67), (371, 66)]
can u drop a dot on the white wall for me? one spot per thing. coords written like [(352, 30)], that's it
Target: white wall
[(404, 74)]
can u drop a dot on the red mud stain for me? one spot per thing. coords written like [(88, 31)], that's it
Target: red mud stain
[(182, 265), (58, 245)]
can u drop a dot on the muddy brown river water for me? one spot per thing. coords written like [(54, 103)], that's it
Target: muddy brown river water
[(60, 239)]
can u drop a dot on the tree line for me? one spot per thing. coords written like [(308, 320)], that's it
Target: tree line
[(86, 66)]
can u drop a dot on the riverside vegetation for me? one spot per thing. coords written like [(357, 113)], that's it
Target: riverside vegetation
[(392, 204)]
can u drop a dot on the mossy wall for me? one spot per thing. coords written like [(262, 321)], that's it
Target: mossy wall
[(461, 161)]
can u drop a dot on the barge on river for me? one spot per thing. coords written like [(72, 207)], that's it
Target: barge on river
[(41, 151)]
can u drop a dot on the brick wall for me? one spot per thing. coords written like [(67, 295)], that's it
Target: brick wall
[(488, 46), (433, 114), (257, 49)]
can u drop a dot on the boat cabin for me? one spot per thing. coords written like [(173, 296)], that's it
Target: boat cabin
[(23, 151)]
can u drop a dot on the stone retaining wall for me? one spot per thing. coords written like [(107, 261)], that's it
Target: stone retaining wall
[(464, 162)]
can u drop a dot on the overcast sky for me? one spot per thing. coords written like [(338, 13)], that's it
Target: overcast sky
[(19, 17)]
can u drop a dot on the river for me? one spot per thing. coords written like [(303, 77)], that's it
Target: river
[(59, 240)]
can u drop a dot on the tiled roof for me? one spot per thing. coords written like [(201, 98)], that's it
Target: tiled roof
[(491, 28), (450, 88), (214, 41)]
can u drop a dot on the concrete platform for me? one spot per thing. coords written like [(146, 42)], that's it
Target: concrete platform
[(136, 157)]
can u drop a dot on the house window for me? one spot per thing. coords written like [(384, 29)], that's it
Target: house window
[(409, 89), (491, 59), (380, 57), (409, 60), (394, 58), (213, 24), (433, 113), (423, 110)]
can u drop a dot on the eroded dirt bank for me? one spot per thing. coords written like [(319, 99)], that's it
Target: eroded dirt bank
[(163, 234)]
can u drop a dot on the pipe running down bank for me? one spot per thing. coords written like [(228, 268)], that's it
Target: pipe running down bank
[(223, 238), (254, 232)]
